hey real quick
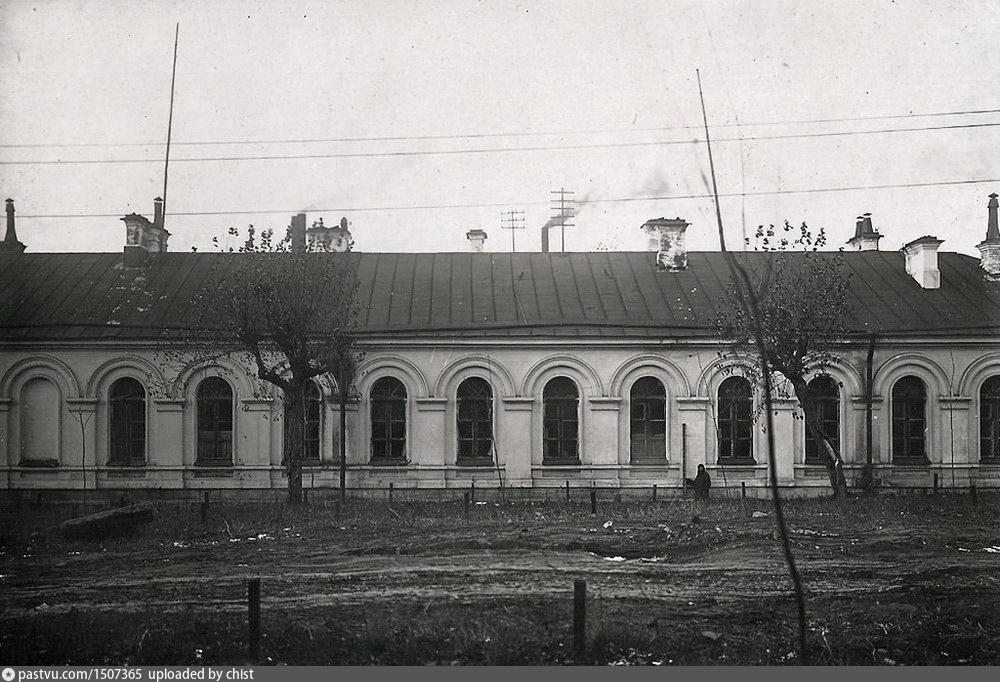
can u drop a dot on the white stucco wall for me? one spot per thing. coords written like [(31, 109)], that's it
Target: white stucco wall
[(953, 371)]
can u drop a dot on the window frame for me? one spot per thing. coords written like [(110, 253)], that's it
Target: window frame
[(398, 413), (475, 441), (830, 402), (564, 407), (724, 419), (133, 459), (989, 455), (896, 403), (202, 401), (655, 449)]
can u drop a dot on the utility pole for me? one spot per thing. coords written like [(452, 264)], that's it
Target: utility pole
[(170, 122), (562, 207), (512, 220)]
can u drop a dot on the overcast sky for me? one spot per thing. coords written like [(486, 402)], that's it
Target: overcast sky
[(599, 98)]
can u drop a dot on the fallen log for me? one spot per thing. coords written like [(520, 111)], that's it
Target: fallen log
[(120, 521)]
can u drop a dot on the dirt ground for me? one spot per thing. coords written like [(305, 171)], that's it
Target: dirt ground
[(907, 580)]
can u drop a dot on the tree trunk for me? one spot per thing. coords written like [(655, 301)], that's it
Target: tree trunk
[(834, 462), (294, 409)]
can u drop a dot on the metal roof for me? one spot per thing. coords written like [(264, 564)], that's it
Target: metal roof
[(47, 296)]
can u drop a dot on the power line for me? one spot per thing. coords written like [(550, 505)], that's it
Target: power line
[(492, 150), (403, 138), (613, 200)]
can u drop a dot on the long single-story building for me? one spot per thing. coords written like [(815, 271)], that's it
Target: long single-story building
[(531, 368)]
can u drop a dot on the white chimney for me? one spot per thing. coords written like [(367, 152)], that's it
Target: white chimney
[(666, 238), (922, 261), (476, 239)]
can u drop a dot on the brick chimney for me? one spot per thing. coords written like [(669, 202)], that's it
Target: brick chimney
[(143, 237), (865, 237), (10, 243), (989, 250), (477, 239), (922, 261), (297, 232), (666, 238)]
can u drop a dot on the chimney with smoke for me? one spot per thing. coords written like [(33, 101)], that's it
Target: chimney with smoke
[(666, 238), (10, 243), (989, 250)]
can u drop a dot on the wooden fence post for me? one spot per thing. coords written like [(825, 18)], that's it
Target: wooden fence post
[(743, 489), (593, 502), (654, 492), (567, 491)]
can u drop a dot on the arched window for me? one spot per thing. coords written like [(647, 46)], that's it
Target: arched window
[(735, 421), (648, 420), (825, 393), (215, 423), (560, 422), (388, 414), (312, 411), (127, 434), (40, 427), (989, 419), (475, 420), (909, 421)]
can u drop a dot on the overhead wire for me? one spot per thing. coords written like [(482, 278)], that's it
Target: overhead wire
[(611, 200), (498, 150), (460, 136)]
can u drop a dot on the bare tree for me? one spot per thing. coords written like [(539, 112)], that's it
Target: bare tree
[(802, 312), (286, 314)]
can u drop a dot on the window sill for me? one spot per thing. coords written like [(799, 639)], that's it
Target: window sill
[(474, 462), (218, 464), (125, 465), (911, 461), (39, 463), (561, 461), (990, 461), (388, 462), (649, 461), (738, 462)]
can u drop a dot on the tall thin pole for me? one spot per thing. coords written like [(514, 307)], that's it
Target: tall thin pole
[(170, 121), (749, 302)]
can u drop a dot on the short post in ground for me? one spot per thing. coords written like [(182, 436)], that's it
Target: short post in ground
[(935, 483), (593, 502), (743, 489), (567, 491), (204, 509), (390, 491), (579, 618), (654, 492), (465, 502), (253, 612)]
